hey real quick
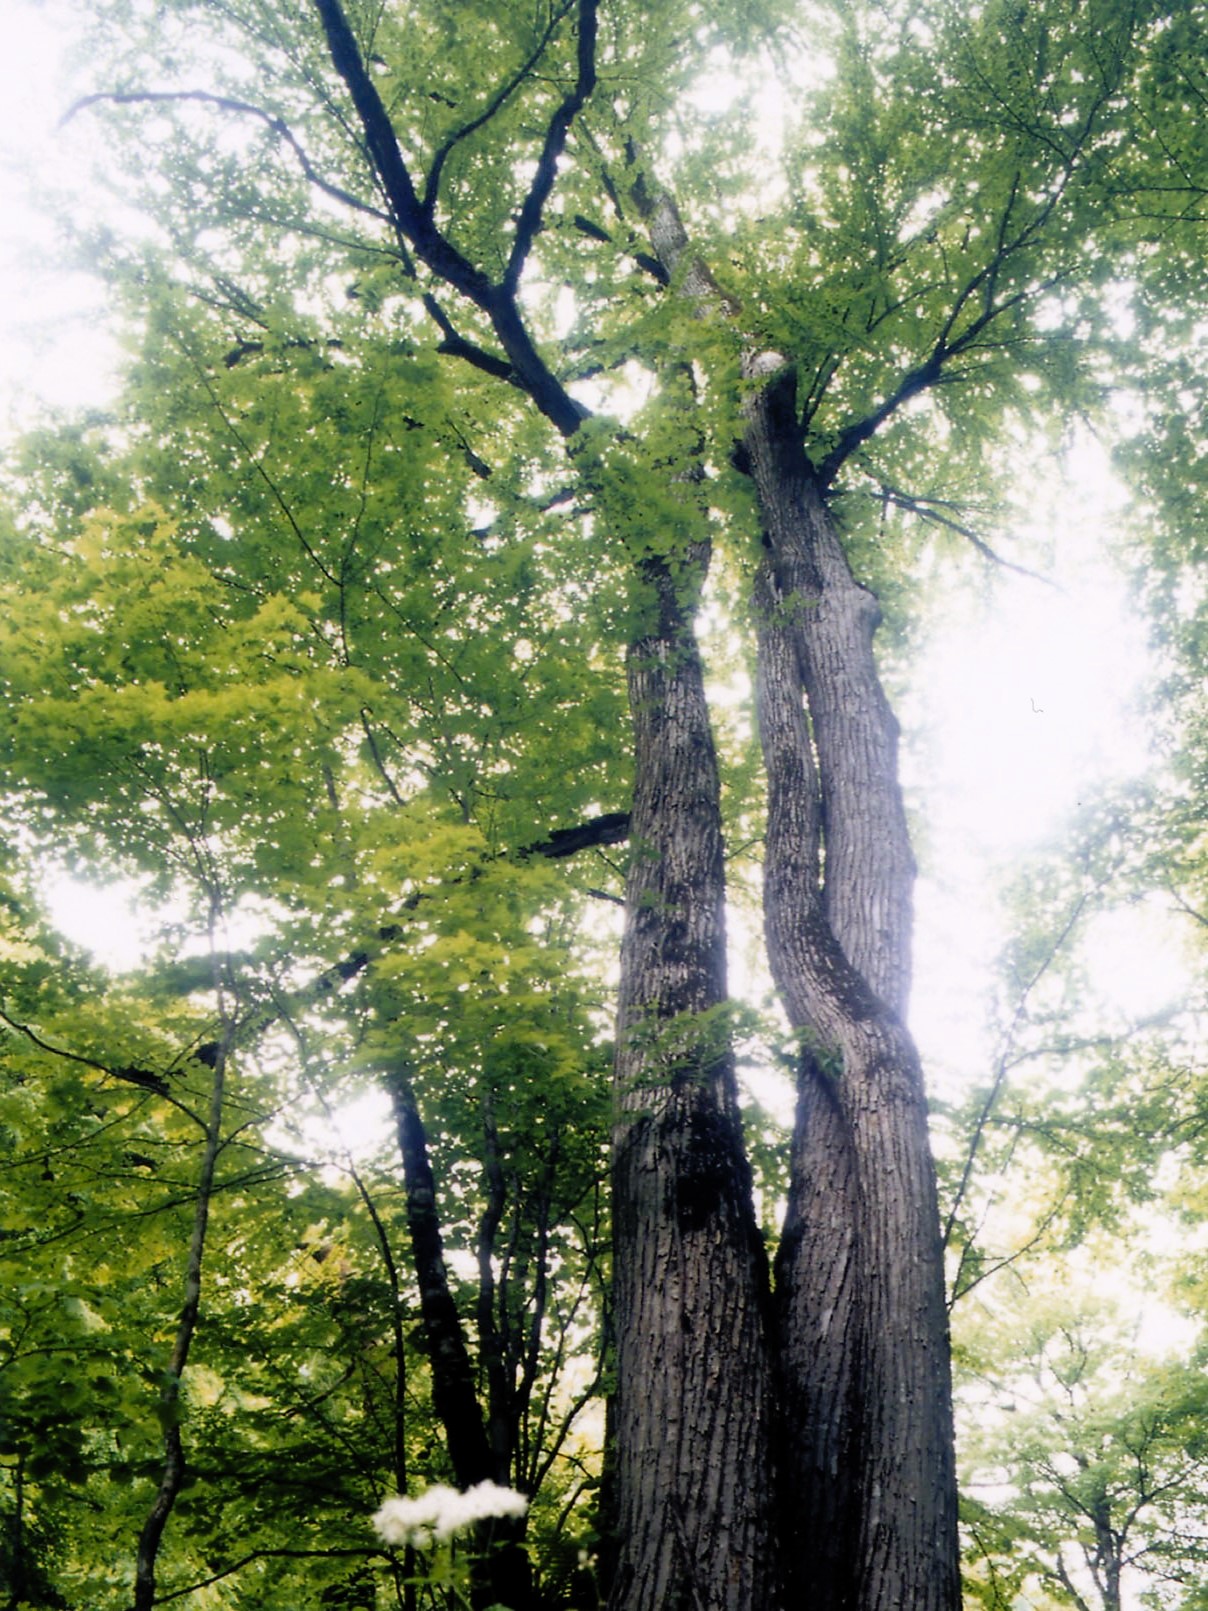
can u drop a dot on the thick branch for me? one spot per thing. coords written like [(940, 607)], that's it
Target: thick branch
[(555, 143), (671, 244), (981, 287), (458, 347), (434, 249), (131, 1076), (610, 829), (387, 159), (916, 380), (595, 232)]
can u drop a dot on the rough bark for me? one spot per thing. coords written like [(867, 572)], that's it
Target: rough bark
[(862, 1328), (816, 1318), (1106, 1564), (868, 1494), (692, 1402), (690, 1279)]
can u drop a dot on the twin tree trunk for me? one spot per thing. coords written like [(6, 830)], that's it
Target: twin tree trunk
[(843, 1499), (851, 1506)]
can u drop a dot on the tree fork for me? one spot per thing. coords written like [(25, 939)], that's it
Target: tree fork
[(692, 1465)]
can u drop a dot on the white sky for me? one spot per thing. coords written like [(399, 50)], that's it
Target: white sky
[(1022, 705), (1018, 707), (54, 348)]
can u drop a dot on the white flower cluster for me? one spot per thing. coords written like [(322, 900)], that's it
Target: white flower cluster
[(440, 1512)]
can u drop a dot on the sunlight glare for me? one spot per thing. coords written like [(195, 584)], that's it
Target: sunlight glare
[(103, 919), (55, 348)]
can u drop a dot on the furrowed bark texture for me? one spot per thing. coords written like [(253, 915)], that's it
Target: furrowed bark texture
[(816, 1318), (693, 1399), (862, 1325), (690, 1294)]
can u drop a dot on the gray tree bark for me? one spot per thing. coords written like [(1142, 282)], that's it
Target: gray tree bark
[(862, 1324), (690, 1287)]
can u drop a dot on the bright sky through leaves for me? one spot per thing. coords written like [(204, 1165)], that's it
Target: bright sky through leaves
[(54, 347), (349, 1001), (1025, 699)]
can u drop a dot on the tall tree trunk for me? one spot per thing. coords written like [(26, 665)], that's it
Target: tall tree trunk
[(1106, 1563), (863, 1340), (692, 1412), (502, 1573), (693, 1388)]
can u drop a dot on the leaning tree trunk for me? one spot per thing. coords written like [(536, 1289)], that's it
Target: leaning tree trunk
[(863, 1339), (692, 1402)]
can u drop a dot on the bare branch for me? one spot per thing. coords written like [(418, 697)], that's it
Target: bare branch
[(1007, 1260), (1184, 907), (1004, 1064), (376, 754), (226, 103), (131, 1076), (931, 510)]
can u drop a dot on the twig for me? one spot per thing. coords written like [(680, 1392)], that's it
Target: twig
[(226, 103), (927, 509), (1004, 1063)]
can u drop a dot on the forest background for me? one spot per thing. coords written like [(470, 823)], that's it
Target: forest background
[(1078, 1108)]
